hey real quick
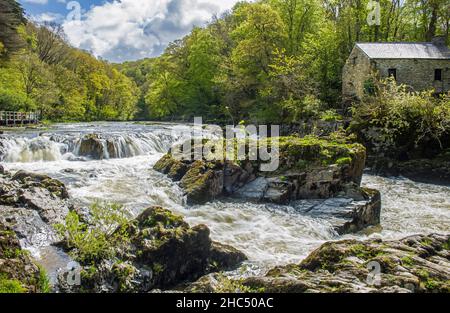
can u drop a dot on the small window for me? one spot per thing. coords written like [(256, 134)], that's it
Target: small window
[(392, 72), (438, 74)]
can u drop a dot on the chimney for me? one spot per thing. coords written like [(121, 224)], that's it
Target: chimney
[(439, 40)]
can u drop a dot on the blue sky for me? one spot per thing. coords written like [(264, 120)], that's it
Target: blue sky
[(122, 30), (38, 7)]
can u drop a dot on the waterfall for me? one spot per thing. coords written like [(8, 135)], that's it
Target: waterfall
[(47, 148)]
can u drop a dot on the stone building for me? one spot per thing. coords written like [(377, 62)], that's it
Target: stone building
[(419, 65)]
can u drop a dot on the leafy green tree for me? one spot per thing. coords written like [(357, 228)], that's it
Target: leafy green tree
[(11, 17)]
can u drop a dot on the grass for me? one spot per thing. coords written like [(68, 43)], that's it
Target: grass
[(44, 282), (11, 286)]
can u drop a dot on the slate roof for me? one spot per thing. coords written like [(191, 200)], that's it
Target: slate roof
[(405, 50)]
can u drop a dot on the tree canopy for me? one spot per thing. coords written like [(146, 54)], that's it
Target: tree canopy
[(41, 72), (274, 60), (265, 61)]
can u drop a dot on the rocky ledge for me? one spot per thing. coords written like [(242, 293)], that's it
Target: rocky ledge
[(349, 212), (309, 168), (161, 250), (418, 264), (31, 204), (158, 249), (434, 171)]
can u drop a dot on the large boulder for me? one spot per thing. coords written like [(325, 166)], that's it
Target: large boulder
[(92, 146), (309, 167), (418, 263), (163, 251), (203, 181)]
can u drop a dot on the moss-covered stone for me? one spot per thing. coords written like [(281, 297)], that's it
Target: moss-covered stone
[(18, 274), (309, 167), (163, 250), (203, 181), (417, 263)]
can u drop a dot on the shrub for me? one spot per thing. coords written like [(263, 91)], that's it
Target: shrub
[(395, 120), (330, 116), (95, 239)]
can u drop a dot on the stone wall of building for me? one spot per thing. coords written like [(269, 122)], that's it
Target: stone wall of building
[(356, 72), (417, 73)]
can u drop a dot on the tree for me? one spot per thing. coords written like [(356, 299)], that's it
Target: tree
[(11, 17), (165, 94), (50, 46)]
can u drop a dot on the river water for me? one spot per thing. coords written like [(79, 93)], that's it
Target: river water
[(269, 234)]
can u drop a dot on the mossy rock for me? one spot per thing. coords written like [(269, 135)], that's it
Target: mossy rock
[(203, 182), (162, 251), (414, 264), (29, 179), (18, 274)]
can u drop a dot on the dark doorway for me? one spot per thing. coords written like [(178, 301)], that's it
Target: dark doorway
[(438, 74), (392, 72)]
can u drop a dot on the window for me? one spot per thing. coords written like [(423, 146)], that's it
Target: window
[(392, 72), (438, 74)]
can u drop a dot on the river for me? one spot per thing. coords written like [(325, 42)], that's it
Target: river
[(269, 234)]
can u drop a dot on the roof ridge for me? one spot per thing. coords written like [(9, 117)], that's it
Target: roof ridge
[(404, 50), (397, 42)]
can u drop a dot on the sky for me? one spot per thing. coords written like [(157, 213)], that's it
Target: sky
[(125, 30)]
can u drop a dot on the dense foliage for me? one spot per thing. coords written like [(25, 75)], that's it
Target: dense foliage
[(402, 124), (274, 60), (40, 72)]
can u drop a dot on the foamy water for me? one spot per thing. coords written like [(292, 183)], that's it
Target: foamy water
[(269, 234)]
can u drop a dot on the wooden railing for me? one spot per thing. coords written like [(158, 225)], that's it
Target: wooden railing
[(10, 118)]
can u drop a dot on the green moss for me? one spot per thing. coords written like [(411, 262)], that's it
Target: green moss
[(446, 245), (11, 286), (344, 161), (407, 261), (164, 218), (365, 252), (124, 273), (88, 273), (158, 268), (227, 285), (387, 262), (312, 151), (426, 242), (423, 274), (432, 284)]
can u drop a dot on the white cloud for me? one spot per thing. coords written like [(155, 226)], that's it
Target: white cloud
[(36, 1), (134, 29), (47, 17)]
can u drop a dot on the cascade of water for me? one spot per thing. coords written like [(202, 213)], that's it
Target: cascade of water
[(92, 146)]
